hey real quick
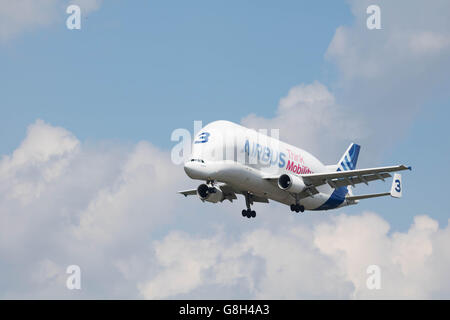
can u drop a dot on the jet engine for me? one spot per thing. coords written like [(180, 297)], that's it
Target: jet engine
[(291, 183), (210, 194)]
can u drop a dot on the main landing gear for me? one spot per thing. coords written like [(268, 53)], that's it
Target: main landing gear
[(297, 207), (249, 213)]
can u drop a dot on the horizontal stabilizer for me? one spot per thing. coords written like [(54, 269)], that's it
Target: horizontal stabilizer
[(367, 196), (396, 191)]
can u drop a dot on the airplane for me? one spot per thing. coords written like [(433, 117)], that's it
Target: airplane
[(233, 159)]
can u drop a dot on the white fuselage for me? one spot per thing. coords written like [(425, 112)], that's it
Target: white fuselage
[(244, 159)]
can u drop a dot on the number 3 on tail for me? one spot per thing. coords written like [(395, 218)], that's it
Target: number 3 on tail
[(398, 187)]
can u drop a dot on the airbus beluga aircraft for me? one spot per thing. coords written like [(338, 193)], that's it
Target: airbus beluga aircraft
[(232, 160)]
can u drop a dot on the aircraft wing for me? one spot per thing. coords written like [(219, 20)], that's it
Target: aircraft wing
[(190, 192), (351, 177), (229, 193), (255, 198)]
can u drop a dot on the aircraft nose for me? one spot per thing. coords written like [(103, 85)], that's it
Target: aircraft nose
[(188, 168), (194, 169)]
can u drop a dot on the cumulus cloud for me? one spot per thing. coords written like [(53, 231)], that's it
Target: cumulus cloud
[(20, 16), (41, 158), (429, 43), (384, 79), (63, 202), (404, 40), (410, 262), (112, 208), (113, 211), (141, 185), (329, 260), (386, 76), (310, 117)]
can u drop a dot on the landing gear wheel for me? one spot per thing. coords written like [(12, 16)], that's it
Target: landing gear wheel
[(248, 213), (297, 208)]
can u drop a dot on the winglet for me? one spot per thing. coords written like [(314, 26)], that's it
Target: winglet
[(396, 189)]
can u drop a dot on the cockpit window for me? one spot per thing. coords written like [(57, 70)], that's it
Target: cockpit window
[(197, 160)]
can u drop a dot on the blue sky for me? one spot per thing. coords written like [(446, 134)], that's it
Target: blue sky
[(137, 72), (93, 184)]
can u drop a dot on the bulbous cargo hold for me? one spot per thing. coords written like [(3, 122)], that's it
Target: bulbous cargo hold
[(234, 160)]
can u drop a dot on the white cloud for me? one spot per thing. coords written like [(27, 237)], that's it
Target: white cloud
[(135, 201), (411, 31), (309, 117), (329, 260), (408, 261), (47, 272), (183, 261), (113, 211), (266, 264), (384, 77), (66, 203), (41, 158), (429, 43)]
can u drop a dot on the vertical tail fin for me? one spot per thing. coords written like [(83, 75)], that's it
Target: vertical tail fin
[(349, 159)]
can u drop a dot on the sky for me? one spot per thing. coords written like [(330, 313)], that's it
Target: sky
[(85, 139)]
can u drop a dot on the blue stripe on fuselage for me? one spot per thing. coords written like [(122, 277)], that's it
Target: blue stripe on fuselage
[(335, 200)]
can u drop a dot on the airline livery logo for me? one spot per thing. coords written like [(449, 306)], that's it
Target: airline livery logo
[(202, 137), (296, 164), (350, 158), (264, 154)]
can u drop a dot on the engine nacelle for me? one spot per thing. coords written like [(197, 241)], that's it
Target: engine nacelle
[(291, 183), (210, 194)]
